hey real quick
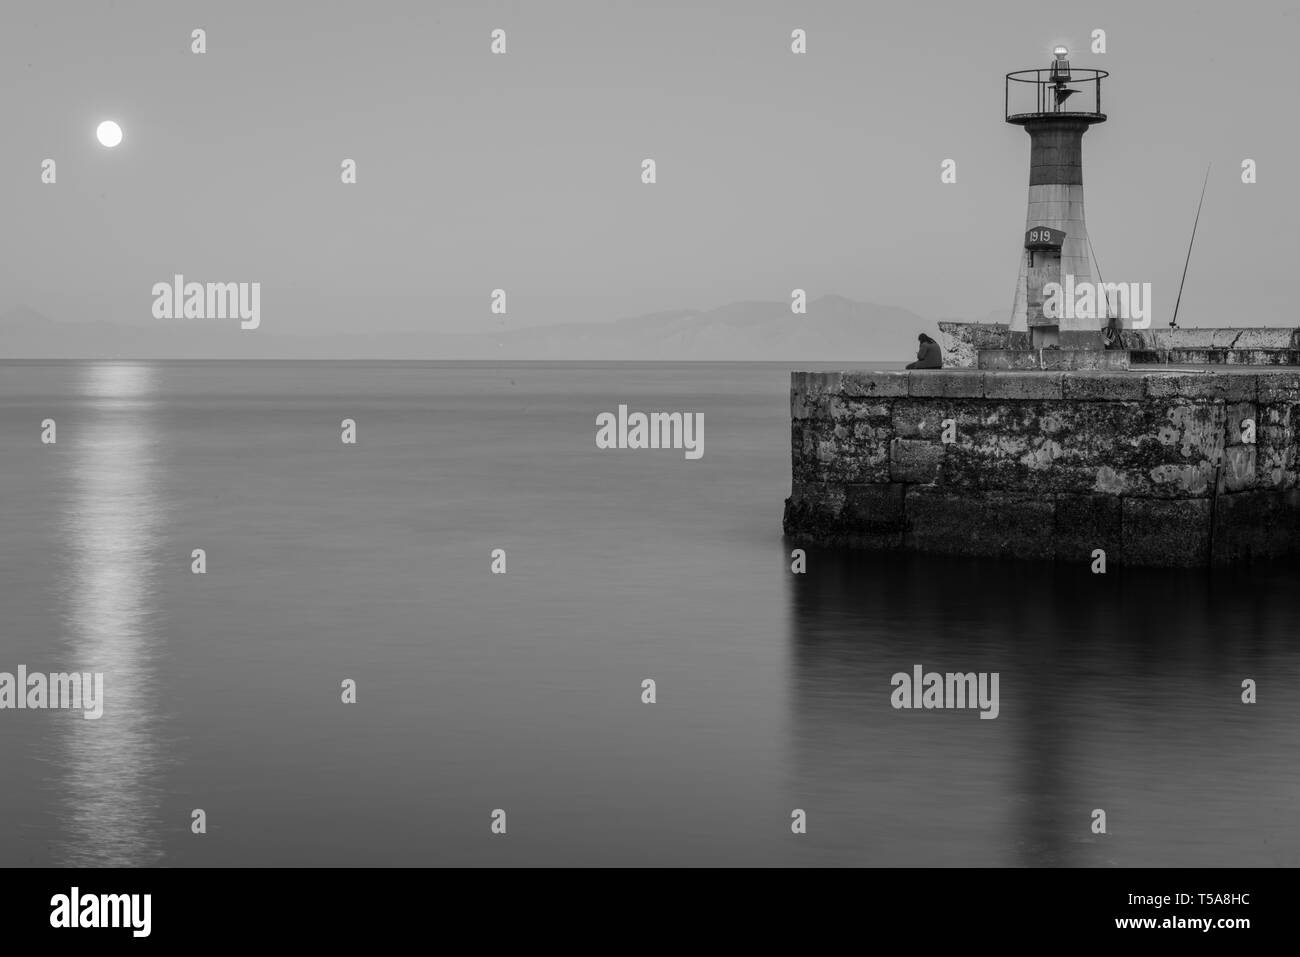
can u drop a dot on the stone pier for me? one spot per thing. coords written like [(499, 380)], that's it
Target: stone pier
[(1156, 465)]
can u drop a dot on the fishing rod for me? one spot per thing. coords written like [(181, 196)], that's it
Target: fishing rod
[(1102, 279), (1106, 329), (1173, 323)]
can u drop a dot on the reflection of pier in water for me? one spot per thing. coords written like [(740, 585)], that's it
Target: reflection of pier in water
[(1119, 692), (109, 766)]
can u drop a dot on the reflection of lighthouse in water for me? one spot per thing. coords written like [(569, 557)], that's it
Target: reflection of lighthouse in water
[(1066, 101)]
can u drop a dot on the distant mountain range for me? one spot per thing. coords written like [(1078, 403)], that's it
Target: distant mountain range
[(833, 329)]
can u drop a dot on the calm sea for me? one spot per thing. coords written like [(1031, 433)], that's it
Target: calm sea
[(522, 691)]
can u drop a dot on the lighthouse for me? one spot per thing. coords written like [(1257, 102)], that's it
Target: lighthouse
[(1056, 106)]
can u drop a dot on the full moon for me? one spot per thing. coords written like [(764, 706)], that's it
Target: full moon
[(109, 133)]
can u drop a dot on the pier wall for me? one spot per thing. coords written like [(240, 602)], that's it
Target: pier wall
[(1262, 346), (1156, 468)]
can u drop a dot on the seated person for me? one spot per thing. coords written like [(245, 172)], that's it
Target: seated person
[(929, 356)]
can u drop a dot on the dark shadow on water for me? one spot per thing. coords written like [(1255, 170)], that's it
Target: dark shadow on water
[(1104, 681)]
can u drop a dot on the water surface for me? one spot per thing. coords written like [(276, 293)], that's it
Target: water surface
[(523, 691)]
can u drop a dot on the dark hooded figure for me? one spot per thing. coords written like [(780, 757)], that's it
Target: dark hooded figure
[(929, 356)]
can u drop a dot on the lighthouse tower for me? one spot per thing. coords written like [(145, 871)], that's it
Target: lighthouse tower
[(1056, 106)]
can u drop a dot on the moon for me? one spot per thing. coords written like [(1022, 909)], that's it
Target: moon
[(109, 133)]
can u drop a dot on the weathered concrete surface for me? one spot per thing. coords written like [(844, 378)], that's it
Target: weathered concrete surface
[(962, 341), (1052, 360), (981, 523), (1202, 385), (1104, 387), (1231, 357), (1168, 533), (1029, 385), (1254, 525), (1221, 337), (1084, 523), (915, 460), (852, 516), (1158, 466)]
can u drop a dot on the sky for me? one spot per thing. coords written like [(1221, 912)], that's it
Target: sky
[(523, 171)]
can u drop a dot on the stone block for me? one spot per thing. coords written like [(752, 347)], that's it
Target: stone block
[(1194, 480), (946, 383), (1164, 532), (915, 460), (1063, 360), (1211, 386), (848, 410), (1137, 357), (961, 340), (873, 384), (1085, 523), (806, 406), (1182, 434), (813, 508), (1088, 386), (967, 523), (1250, 526), (1278, 386), (1238, 471), (1008, 360), (920, 419), (1022, 385), (852, 516), (852, 454), (1275, 446), (817, 383), (1236, 414), (874, 508)]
